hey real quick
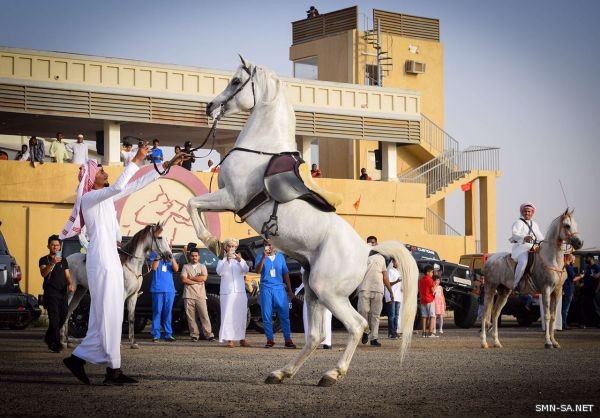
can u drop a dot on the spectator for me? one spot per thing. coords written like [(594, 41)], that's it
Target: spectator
[(211, 167), (481, 298), (427, 305), (193, 276), (312, 12), (3, 155), (568, 288), (126, 153), (370, 294), (315, 171), (275, 292), (364, 175), (177, 152), (187, 148), (589, 292), (440, 304), (326, 343), (234, 301), (58, 149), (393, 306), (79, 150), (23, 155), (157, 154), (57, 283), (37, 150), (162, 290)]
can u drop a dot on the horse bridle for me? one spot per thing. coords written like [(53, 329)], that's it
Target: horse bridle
[(250, 79), (569, 234)]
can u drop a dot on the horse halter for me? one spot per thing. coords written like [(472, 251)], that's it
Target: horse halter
[(250, 78), (569, 234)]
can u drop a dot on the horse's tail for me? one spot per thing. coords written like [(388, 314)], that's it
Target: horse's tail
[(410, 276)]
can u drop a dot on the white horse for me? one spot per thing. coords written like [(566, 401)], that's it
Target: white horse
[(333, 255), (547, 276), (133, 256)]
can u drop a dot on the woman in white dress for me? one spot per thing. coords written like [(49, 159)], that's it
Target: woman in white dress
[(234, 301)]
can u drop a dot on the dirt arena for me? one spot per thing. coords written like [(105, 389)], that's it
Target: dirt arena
[(449, 376)]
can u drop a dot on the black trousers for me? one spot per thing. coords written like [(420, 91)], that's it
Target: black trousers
[(57, 306)]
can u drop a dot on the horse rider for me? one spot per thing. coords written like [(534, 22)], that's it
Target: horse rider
[(525, 233)]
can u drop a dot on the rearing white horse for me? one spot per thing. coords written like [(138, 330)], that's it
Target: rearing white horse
[(333, 255)]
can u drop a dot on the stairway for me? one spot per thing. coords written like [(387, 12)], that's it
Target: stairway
[(452, 167), (384, 61)]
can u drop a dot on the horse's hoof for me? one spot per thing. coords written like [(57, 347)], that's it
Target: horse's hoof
[(135, 346), (497, 345), (556, 345), (327, 381), (484, 345), (547, 345), (273, 379)]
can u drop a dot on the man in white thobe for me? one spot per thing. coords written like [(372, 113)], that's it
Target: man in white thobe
[(525, 233), (95, 202), (234, 301), (79, 150)]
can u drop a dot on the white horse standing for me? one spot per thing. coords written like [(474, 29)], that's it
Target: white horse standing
[(133, 256), (332, 253), (547, 273)]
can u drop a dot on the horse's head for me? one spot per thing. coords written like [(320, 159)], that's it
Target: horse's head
[(155, 241), (568, 230), (249, 85)]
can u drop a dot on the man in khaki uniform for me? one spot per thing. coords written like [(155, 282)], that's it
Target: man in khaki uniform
[(370, 294), (193, 277)]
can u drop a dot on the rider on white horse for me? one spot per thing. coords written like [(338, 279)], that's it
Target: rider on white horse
[(525, 233)]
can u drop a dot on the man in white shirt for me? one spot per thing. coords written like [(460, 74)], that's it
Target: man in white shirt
[(393, 305), (525, 233), (79, 150)]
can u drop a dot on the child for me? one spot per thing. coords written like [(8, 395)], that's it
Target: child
[(440, 304), (427, 305)]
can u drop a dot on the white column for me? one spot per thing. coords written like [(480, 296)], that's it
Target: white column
[(389, 157), (112, 143), (305, 149)]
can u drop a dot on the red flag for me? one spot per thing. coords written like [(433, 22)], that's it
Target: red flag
[(466, 187), (357, 203)]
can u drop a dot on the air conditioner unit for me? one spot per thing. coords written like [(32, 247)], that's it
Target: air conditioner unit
[(415, 67)]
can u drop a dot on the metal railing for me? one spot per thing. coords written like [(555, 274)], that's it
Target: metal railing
[(436, 225), (436, 138), (451, 166)]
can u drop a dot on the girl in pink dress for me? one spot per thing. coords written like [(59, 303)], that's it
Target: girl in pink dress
[(440, 305)]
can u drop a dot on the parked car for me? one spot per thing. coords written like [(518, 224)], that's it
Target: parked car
[(457, 281), (143, 310), (523, 306), (17, 309)]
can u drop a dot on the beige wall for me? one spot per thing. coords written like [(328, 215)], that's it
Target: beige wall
[(35, 203)]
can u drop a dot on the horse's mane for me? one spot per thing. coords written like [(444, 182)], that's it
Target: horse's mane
[(140, 236), (554, 228)]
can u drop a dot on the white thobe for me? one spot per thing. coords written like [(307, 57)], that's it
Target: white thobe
[(326, 320), (80, 152), (393, 275), (234, 301), (519, 231), (102, 343)]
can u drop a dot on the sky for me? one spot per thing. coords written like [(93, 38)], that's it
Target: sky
[(521, 75)]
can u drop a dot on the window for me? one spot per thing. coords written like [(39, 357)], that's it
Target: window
[(306, 68), (370, 75)]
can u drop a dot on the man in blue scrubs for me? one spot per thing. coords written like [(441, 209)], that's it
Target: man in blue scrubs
[(162, 289), (275, 292)]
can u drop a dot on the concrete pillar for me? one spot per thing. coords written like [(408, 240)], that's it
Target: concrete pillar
[(112, 143), (487, 207), (304, 146), (471, 198), (389, 157)]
